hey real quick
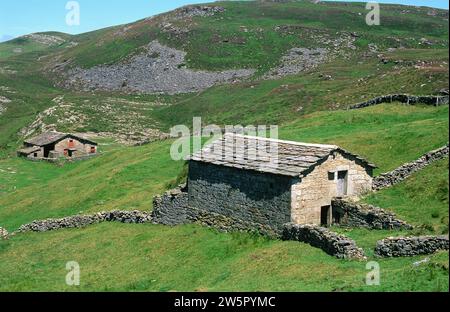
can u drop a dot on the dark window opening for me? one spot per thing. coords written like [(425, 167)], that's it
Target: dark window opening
[(35, 155), (331, 176)]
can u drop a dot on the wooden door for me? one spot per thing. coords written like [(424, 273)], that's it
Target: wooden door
[(342, 183)]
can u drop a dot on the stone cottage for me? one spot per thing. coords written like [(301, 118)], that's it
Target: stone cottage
[(274, 182), (54, 145)]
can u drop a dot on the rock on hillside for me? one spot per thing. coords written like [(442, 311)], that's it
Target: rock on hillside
[(159, 69)]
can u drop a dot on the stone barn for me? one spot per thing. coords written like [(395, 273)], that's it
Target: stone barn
[(54, 145), (292, 182)]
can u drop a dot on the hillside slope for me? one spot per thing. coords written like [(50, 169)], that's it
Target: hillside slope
[(193, 258), (302, 65), (304, 61)]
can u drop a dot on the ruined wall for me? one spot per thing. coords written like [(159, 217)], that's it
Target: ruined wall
[(411, 246), (244, 195), (332, 243), (366, 216), (317, 190)]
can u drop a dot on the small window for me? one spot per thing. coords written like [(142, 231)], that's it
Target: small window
[(331, 176), (35, 155), (92, 149)]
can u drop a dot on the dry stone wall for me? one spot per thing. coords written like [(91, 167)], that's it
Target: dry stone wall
[(79, 221), (401, 173), (367, 216), (411, 246), (404, 98), (332, 243)]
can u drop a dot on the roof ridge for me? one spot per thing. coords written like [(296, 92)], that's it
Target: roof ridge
[(330, 146)]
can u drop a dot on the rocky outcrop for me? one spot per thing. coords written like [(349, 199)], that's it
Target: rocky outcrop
[(361, 215), (404, 98), (298, 60), (79, 221), (197, 10), (3, 233), (332, 243), (411, 246), (159, 69), (401, 173)]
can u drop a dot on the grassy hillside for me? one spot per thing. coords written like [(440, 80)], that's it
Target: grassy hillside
[(309, 107), (245, 35), (193, 258), (249, 34), (119, 257), (128, 178), (421, 200)]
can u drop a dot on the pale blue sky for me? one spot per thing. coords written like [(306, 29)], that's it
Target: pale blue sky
[(20, 17)]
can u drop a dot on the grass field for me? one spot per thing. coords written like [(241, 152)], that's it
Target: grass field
[(127, 178), (158, 258)]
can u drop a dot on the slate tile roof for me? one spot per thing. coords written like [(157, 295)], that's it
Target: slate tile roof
[(267, 155), (52, 137), (29, 150)]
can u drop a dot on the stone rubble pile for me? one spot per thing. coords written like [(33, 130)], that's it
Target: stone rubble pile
[(159, 69)]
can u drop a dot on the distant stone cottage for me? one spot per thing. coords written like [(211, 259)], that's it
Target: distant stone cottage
[(297, 187), (54, 145)]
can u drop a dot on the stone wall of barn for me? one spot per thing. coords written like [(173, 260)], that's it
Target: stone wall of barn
[(245, 195), (319, 187), (82, 149), (39, 154)]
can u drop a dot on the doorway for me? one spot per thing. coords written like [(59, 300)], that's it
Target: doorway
[(342, 183), (325, 216)]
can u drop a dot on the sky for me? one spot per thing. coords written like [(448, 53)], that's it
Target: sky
[(20, 17)]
